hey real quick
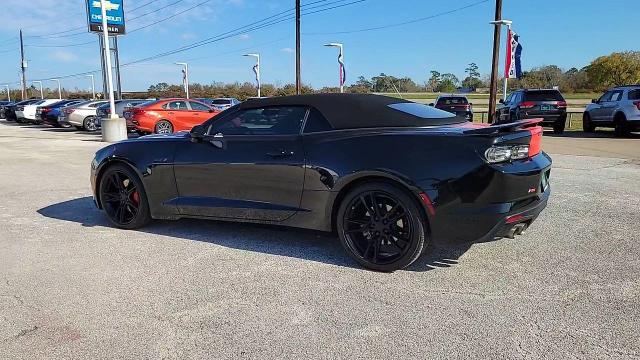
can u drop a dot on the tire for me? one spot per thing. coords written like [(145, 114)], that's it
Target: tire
[(620, 126), (163, 127), (397, 220), (587, 124), (558, 127), (126, 206), (90, 124)]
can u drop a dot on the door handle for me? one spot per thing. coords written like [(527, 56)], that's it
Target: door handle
[(280, 154)]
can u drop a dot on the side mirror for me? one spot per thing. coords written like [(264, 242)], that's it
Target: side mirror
[(501, 101), (594, 101), (197, 133), (212, 110), (470, 104), (431, 104)]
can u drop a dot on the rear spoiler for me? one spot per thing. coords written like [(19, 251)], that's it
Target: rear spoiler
[(502, 128)]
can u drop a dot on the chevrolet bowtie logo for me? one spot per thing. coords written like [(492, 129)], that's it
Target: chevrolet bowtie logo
[(107, 4)]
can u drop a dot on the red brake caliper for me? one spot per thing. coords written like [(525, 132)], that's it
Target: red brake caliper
[(135, 197)]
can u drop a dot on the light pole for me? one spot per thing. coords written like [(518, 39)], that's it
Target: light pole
[(185, 76), (8, 93), (59, 88), (114, 128), (41, 92), (340, 63), (93, 86), (508, 24), (256, 69)]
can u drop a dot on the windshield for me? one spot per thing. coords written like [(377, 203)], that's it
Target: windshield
[(544, 95), (458, 100), (221, 101)]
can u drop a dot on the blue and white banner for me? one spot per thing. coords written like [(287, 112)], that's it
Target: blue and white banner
[(256, 70), (343, 72)]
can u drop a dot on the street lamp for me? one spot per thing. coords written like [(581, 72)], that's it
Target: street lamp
[(59, 88), (8, 93), (93, 86), (41, 92), (256, 69), (185, 76), (508, 24), (340, 62)]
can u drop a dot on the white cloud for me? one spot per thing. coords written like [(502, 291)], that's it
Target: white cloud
[(188, 36), (64, 56), (288, 50), (244, 37)]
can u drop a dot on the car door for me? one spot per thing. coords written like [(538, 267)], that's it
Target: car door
[(598, 110), (177, 112), (199, 113), (250, 166), (609, 106)]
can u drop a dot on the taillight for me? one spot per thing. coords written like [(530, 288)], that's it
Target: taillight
[(68, 111), (561, 104), (503, 153), (527, 104), (637, 104), (535, 144), (45, 110)]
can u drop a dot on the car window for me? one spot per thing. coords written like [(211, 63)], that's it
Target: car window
[(316, 122), (95, 105), (275, 120), (634, 94), (508, 99), (176, 105), (198, 107), (221, 101), (616, 95), (606, 96), (543, 95), (457, 100)]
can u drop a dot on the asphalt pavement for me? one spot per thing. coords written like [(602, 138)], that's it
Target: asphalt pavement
[(73, 287)]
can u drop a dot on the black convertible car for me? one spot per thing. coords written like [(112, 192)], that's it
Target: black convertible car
[(388, 175)]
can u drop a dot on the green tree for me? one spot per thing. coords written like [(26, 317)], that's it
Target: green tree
[(620, 68), (434, 80)]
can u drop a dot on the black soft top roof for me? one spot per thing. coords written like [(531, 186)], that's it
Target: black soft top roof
[(349, 111)]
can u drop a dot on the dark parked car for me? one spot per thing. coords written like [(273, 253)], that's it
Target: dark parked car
[(388, 175), (3, 105), (618, 108), (10, 110), (49, 114), (455, 104), (122, 107), (547, 104)]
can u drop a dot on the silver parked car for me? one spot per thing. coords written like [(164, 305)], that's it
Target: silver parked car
[(83, 116), (618, 108)]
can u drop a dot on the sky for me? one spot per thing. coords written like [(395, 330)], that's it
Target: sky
[(430, 35)]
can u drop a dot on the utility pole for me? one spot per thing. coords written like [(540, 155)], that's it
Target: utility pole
[(493, 90), (23, 67), (298, 80)]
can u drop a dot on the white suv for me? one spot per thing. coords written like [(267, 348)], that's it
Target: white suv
[(618, 108)]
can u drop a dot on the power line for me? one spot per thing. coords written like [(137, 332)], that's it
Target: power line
[(169, 17), (141, 6), (156, 10), (58, 46), (256, 25), (401, 23)]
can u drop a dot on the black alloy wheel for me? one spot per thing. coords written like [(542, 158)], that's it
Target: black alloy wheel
[(587, 124), (123, 198), (381, 227)]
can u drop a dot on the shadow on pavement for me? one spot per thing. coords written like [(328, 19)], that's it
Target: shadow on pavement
[(283, 241)]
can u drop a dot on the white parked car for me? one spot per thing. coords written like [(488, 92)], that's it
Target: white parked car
[(83, 116), (27, 113)]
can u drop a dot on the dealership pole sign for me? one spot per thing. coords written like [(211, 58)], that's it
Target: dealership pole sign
[(115, 16)]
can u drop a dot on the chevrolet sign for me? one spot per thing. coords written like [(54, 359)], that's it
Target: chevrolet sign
[(115, 16)]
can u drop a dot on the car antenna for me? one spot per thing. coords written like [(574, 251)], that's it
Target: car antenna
[(394, 86)]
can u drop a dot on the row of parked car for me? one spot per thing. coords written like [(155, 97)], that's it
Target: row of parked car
[(617, 108), (142, 115)]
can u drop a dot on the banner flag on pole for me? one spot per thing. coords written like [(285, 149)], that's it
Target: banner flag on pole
[(256, 70), (343, 72), (513, 68)]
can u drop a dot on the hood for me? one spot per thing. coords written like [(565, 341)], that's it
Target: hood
[(160, 137)]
